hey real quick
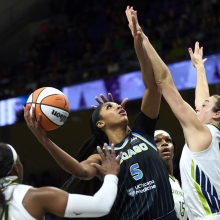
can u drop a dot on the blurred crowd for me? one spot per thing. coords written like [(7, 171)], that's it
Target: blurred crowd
[(95, 41)]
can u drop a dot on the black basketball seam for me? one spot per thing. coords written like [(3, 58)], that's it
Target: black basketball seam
[(40, 93), (53, 106), (52, 95), (32, 99), (47, 117), (36, 101)]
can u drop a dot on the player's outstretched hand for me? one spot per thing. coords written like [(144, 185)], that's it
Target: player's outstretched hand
[(133, 24), (123, 103), (196, 57), (32, 124), (110, 164)]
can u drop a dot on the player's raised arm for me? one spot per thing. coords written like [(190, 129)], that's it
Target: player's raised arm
[(152, 94), (202, 88), (197, 135), (81, 170)]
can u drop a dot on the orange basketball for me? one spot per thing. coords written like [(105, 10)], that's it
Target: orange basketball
[(52, 104)]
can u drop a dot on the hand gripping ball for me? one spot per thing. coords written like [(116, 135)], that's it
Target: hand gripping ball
[(52, 104)]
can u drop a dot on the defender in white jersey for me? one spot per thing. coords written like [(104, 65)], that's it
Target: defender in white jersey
[(23, 202), (200, 175), (165, 146), (205, 192)]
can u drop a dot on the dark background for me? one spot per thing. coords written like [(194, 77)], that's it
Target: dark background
[(64, 42)]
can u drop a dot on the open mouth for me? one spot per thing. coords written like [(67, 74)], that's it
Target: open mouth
[(165, 151), (122, 112)]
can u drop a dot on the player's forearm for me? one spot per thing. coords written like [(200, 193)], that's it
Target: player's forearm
[(68, 163), (202, 88), (145, 64), (93, 206), (160, 70)]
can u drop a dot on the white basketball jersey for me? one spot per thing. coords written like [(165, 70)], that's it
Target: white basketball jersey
[(179, 204), (200, 175), (15, 209)]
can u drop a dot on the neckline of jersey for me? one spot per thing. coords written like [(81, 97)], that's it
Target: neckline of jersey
[(216, 126)]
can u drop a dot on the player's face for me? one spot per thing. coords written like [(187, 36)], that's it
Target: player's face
[(165, 147), (205, 112), (113, 114), (19, 170)]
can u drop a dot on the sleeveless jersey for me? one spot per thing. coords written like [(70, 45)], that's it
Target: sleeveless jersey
[(178, 199), (144, 190), (200, 175), (15, 209)]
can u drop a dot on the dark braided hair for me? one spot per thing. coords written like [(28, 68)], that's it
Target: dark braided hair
[(74, 185), (70, 183), (6, 163)]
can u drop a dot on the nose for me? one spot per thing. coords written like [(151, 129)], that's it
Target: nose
[(119, 107), (197, 109), (164, 143)]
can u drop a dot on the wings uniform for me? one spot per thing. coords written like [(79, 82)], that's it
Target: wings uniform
[(15, 209), (200, 175), (178, 199), (144, 190)]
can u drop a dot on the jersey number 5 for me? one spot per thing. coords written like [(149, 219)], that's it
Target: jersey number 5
[(135, 172)]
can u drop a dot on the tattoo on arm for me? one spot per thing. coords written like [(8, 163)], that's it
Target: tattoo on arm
[(24, 203)]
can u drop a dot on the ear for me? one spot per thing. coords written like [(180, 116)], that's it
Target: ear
[(216, 116), (100, 124)]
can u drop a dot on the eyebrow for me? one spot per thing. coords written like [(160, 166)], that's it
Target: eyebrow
[(206, 100)]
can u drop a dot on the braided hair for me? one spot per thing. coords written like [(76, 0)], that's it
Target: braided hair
[(6, 163), (70, 183)]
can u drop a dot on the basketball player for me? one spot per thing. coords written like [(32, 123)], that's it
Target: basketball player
[(144, 188), (23, 202), (165, 146), (200, 163)]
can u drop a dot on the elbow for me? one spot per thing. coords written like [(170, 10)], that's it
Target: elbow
[(79, 173), (105, 211), (84, 174)]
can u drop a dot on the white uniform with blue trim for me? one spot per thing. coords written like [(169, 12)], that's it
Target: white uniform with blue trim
[(200, 175), (15, 209), (179, 204)]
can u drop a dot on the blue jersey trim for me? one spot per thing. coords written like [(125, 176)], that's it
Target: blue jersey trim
[(165, 215), (119, 148), (142, 138), (216, 126), (126, 141)]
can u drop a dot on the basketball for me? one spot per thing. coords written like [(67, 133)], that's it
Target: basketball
[(52, 104)]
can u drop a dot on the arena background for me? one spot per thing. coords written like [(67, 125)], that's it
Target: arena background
[(62, 43)]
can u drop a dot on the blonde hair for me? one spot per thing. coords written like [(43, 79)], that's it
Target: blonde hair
[(216, 107)]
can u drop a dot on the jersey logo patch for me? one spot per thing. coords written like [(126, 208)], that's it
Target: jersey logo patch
[(78, 213), (133, 139), (131, 192), (141, 188)]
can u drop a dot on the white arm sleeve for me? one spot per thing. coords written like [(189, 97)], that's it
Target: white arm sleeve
[(93, 206)]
